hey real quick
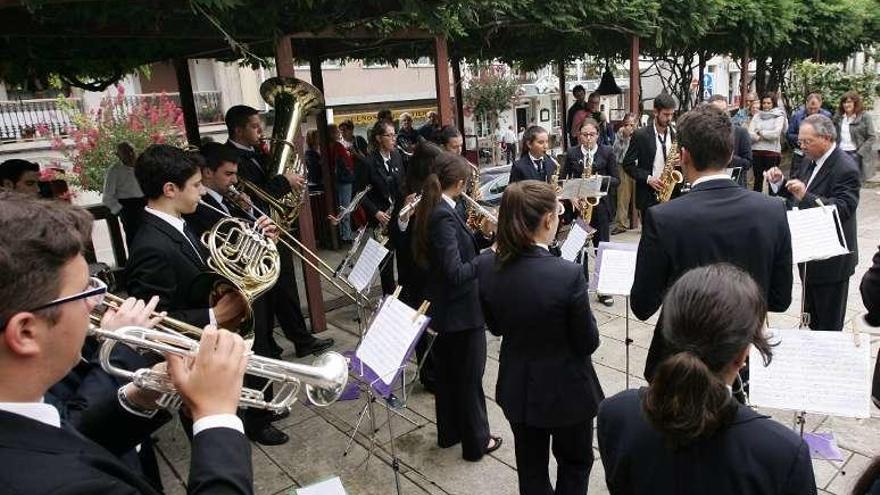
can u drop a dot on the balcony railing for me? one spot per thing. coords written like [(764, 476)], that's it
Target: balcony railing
[(21, 119)]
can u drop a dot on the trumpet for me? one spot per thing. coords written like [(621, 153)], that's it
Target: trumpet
[(167, 324), (325, 379), (308, 256)]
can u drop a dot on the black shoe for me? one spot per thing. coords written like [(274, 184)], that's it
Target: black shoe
[(268, 435), (606, 300), (497, 441), (429, 386), (275, 350), (618, 230), (279, 416), (315, 347)]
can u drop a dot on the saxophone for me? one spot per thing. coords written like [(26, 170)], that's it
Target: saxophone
[(669, 176), (474, 216), (587, 204)]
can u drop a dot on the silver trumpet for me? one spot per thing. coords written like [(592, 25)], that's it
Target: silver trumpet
[(410, 207), (325, 379)]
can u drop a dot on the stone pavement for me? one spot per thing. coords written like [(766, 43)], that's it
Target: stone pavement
[(319, 435)]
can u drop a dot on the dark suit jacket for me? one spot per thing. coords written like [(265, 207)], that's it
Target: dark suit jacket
[(256, 168), (639, 162), (539, 304), (204, 218), (163, 264), (451, 285), (524, 169), (753, 455), (718, 221), (836, 183), (604, 163), (38, 458), (870, 289), (742, 152), (387, 186)]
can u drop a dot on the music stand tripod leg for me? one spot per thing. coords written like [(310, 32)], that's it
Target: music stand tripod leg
[(627, 341)]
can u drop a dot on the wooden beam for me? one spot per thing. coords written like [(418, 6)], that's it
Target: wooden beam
[(324, 139), (563, 103), (314, 294), (459, 100), (744, 78), (441, 79), (187, 101), (634, 75), (361, 32)]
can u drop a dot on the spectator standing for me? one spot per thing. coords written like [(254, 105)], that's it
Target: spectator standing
[(812, 105), (855, 133), (766, 130), (122, 193), (625, 190)]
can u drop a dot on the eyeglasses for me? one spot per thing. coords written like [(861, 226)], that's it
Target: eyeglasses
[(589, 134), (94, 295), (390, 134)]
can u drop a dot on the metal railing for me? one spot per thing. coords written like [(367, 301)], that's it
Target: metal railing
[(207, 103), (21, 119)]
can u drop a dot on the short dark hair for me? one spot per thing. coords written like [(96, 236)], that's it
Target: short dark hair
[(13, 169), (378, 129), (238, 116), (529, 135), (714, 98), (707, 134), (578, 88), (687, 398), (812, 95), (216, 154), (384, 114), (37, 239), (664, 101), (160, 164), (589, 121), (448, 132)]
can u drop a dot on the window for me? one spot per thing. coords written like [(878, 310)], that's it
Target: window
[(422, 62)]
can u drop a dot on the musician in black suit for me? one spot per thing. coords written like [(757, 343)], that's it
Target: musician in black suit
[(685, 433), (166, 257), (870, 290), (717, 221), (383, 170), (533, 164), (742, 144), (45, 299), (219, 172), (245, 136), (830, 177), (547, 386), (444, 245), (646, 156)]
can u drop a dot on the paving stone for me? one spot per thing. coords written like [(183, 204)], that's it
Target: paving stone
[(842, 484), (859, 435)]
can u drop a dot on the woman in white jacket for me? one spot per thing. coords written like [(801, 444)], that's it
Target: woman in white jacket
[(766, 129)]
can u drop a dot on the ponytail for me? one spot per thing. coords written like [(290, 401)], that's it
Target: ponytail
[(687, 400), (447, 170), (523, 207)]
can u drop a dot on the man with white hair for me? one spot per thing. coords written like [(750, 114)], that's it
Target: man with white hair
[(828, 176)]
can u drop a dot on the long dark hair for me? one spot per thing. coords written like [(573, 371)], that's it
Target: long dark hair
[(710, 315), (523, 206), (448, 169), (419, 166), (529, 136)]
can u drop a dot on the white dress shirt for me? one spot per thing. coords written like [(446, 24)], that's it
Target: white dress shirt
[(707, 178), (449, 201), (659, 160), (589, 153), (535, 160), (120, 183), (846, 141), (47, 414), (775, 185), (218, 198)]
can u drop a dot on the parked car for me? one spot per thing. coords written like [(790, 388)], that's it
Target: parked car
[(489, 173), (490, 192)]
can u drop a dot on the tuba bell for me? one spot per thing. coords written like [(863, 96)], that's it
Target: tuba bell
[(292, 100)]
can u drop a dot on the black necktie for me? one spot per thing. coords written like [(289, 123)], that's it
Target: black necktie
[(194, 241), (539, 166), (663, 145), (227, 204), (808, 173)]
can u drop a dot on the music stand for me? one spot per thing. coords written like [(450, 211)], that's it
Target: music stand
[(617, 278)]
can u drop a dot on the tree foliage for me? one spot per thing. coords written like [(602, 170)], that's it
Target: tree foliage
[(829, 81)]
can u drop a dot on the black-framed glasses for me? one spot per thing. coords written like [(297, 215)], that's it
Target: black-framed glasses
[(390, 134), (94, 294)]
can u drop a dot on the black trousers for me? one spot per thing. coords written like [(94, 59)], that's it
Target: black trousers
[(256, 419), (284, 304), (826, 304), (131, 216), (412, 295), (760, 164), (573, 449), (386, 274), (460, 361), (875, 387)]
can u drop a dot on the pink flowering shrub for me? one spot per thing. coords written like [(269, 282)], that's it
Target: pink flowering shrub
[(95, 134)]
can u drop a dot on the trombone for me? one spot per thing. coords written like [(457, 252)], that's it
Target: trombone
[(305, 254)]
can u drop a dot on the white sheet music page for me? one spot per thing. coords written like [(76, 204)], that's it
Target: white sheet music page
[(366, 265), (389, 337), (814, 234), (575, 241), (333, 486), (814, 371), (617, 270)]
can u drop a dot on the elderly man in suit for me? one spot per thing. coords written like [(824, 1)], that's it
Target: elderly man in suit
[(828, 176), (718, 221), (646, 156)]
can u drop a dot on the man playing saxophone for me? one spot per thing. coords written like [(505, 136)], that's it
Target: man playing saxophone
[(587, 159), (646, 157)]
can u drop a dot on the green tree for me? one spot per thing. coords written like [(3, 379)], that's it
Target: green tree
[(490, 91), (829, 81)]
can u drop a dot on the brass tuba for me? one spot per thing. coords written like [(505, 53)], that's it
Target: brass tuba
[(669, 176), (292, 100)]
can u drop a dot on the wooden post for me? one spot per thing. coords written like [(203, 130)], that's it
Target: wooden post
[(187, 101), (314, 294), (441, 78), (634, 107), (324, 138), (563, 103), (744, 78), (459, 101)]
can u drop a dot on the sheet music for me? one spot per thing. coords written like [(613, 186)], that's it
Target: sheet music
[(814, 234), (583, 188), (389, 338), (617, 269), (367, 263), (577, 237), (333, 486), (815, 371)]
